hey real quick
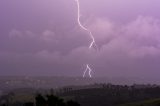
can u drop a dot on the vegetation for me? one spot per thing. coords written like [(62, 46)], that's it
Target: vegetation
[(113, 95), (152, 102), (89, 95), (52, 100)]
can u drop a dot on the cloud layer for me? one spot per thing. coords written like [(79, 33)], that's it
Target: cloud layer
[(125, 49)]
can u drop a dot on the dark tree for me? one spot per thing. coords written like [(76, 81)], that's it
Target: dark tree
[(52, 100), (72, 103), (29, 104), (40, 100), (3, 105)]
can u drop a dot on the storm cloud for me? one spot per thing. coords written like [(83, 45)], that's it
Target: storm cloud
[(46, 40)]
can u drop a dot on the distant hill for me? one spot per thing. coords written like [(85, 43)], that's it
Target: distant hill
[(45, 82), (114, 95)]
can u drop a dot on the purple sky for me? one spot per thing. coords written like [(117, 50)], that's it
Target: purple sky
[(42, 37)]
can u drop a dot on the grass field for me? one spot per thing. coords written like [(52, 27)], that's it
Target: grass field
[(152, 102)]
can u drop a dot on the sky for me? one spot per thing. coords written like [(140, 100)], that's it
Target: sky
[(42, 37)]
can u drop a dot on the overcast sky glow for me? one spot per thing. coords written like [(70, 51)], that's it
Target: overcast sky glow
[(42, 37)]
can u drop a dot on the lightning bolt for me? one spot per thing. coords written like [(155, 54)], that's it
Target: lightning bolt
[(92, 44), (89, 70)]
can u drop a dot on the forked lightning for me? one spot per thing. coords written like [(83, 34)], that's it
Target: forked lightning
[(93, 43), (89, 71)]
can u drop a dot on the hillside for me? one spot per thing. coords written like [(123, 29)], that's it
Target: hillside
[(152, 102), (93, 95)]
